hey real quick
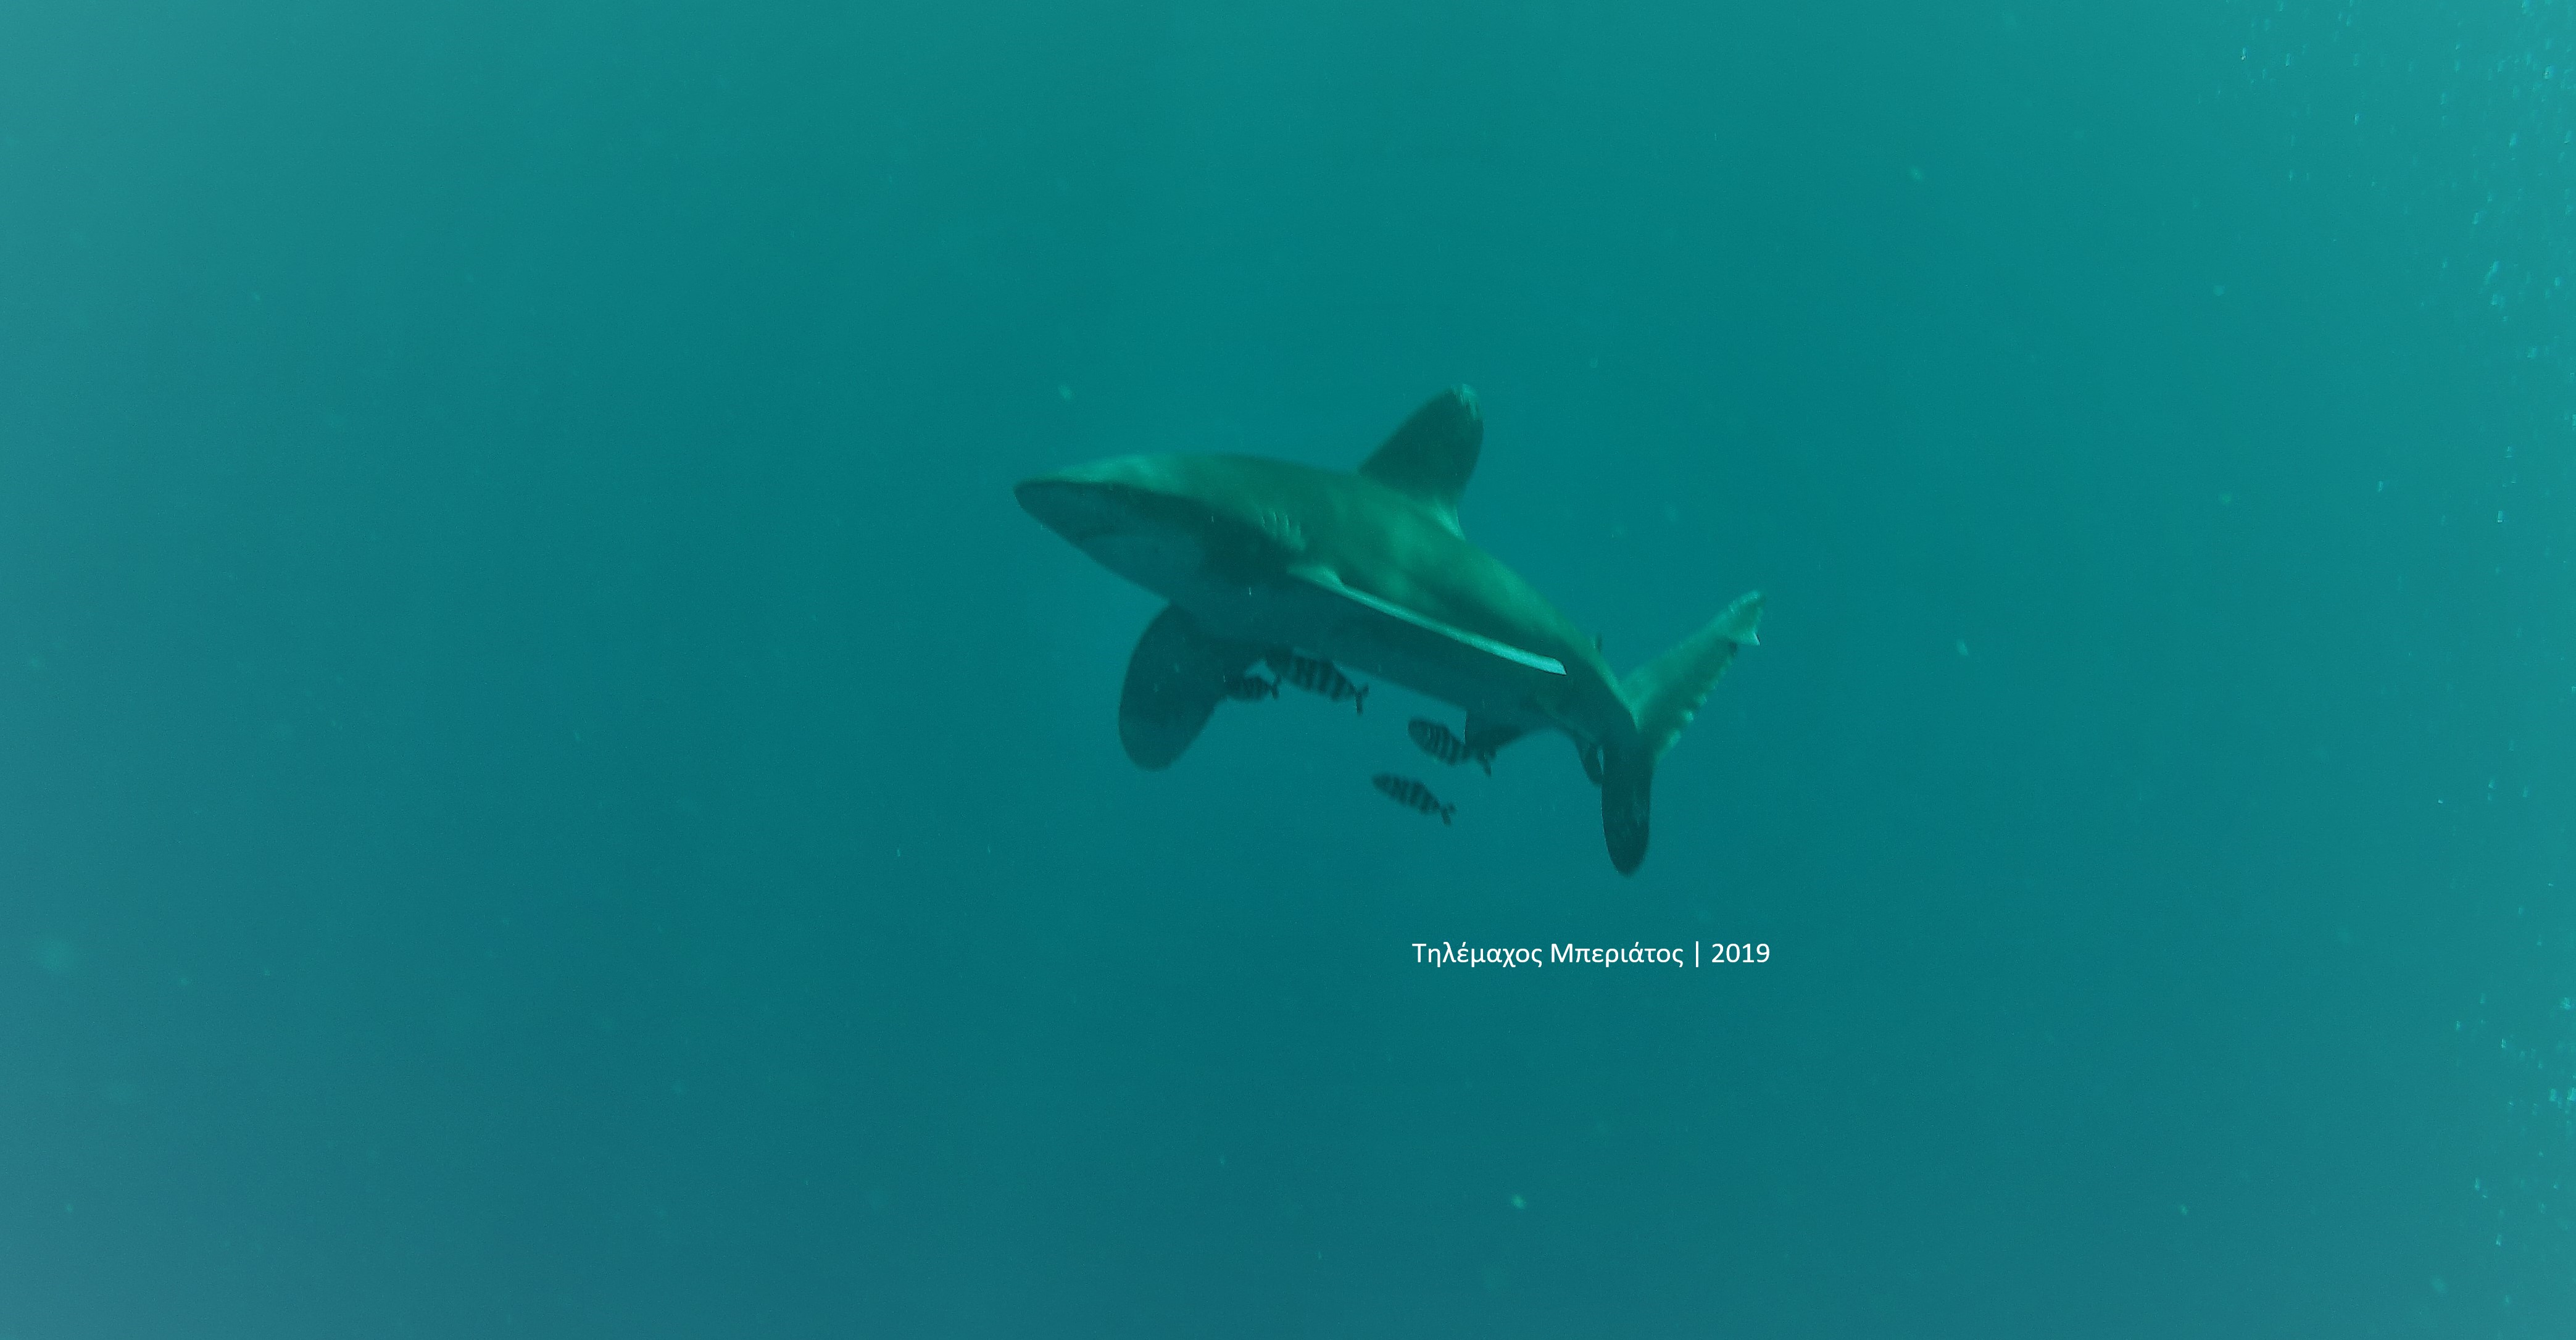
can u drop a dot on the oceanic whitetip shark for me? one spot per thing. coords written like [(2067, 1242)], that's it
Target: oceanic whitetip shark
[(1369, 568)]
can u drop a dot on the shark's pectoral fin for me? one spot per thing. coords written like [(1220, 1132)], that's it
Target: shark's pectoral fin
[(1432, 455), (1414, 635), (1174, 682)]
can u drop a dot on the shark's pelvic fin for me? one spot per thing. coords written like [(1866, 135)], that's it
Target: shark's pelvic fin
[(1175, 679), (1417, 625), (1485, 737), (1431, 456)]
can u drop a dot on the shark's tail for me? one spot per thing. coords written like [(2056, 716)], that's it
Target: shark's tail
[(1664, 693)]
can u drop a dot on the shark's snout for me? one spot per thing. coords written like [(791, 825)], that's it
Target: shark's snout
[(1113, 511), (1080, 510)]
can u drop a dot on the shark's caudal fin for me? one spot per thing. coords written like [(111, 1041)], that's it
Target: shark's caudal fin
[(1627, 786), (1174, 682), (1664, 693)]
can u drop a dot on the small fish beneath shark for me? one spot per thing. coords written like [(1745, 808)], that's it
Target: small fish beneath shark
[(1412, 795), (1317, 675), (1444, 744), (1250, 688)]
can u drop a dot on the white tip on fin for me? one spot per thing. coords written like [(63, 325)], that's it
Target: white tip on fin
[(1742, 622)]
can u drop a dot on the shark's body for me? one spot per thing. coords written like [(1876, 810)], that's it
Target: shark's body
[(1369, 568)]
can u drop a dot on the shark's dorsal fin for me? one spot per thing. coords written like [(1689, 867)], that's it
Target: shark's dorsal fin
[(1431, 456)]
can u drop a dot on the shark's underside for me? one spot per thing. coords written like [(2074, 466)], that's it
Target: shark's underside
[(1369, 568)]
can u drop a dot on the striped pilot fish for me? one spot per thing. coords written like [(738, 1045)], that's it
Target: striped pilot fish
[(1444, 744), (1412, 795), (1314, 674), (1250, 688)]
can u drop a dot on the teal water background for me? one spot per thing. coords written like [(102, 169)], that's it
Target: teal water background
[(547, 789)]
